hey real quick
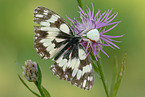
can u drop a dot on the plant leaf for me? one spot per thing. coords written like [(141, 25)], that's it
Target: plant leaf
[(40, 75), (28, 86), (45, 92), (119, 77), (115, 74), (95, 65), (96, 69)]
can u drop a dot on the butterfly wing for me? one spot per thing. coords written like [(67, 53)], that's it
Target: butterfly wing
[(52, 34)]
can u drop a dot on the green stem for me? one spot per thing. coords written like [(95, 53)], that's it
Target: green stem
[(98, 63), (80, 3), (103, 78), (40, 89), (28, 86)]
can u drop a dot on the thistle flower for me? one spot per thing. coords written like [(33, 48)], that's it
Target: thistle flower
[(92, 29), (31, 71)]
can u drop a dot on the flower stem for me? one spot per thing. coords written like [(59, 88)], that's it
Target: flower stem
[(28, 86), (100, 69), (103, 78), (40, 89), (80, 3)]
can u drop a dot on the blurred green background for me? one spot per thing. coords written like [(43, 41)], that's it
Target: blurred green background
[(16, 46)]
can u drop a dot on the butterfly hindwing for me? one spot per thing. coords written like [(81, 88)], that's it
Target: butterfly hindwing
[(73, 65), (52, 34)]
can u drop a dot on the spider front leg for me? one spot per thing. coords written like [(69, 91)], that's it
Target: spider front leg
[(88, 43)]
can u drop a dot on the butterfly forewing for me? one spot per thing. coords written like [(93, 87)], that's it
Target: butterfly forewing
[(55, 38), (52, 34)]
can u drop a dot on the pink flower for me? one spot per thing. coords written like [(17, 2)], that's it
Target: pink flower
[(92, 29)]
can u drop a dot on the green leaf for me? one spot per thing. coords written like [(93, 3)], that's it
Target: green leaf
[(42, 90), (115, 73), (40, 75), (45, 92), (95, 67), (28, 86), (119, 77)]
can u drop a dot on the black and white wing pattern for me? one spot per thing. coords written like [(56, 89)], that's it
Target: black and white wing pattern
[(55, 39)]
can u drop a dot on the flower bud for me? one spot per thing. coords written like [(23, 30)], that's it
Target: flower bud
[(30, 71)]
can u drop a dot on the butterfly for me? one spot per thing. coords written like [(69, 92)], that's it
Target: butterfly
[(55, 38)]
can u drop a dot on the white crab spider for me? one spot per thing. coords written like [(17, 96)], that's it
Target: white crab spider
[(91, 35)]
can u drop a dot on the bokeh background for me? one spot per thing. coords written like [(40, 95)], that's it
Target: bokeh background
[(16, 46)]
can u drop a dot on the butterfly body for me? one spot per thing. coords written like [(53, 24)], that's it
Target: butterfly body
[(55, 39), (74, 41)]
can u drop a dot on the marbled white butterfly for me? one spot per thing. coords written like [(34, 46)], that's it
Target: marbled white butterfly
[(55, 39)]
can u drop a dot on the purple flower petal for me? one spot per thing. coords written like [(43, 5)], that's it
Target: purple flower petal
[(110, 42), (102, 50), (110, 28), (70, 19), (103, 44), (92, 10), (104, 17), (95, 52), (108, 15), (112, 18), (112, 36), (98, 20), (96, 15), (81, 10)]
